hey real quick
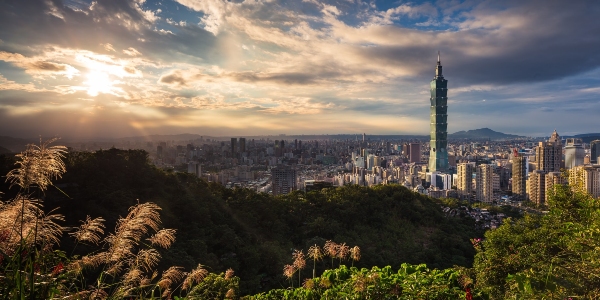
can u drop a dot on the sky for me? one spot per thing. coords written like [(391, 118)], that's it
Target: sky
[(118, 68)]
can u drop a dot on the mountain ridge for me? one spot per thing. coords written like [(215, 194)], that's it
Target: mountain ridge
[(482, 133)]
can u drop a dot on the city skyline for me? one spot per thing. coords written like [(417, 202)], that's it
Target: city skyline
[(107, 68)]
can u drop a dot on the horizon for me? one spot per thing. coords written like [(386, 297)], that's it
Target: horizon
[(283, 135), (106, 69)]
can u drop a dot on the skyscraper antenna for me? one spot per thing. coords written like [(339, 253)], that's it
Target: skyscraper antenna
[(438, 56)]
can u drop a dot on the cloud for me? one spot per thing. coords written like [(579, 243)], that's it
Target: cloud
[(6, 84), (38, 66), (272, 59), (283, 78), (131, 51), (174, 78), (108, 47)]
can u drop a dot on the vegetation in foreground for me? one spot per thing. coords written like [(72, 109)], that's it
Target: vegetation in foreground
[(551, 256), (253, 233)]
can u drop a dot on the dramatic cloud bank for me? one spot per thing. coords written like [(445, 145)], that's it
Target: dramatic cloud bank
[(79, 68)]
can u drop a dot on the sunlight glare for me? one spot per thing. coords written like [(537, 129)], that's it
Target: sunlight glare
[(98, 82)]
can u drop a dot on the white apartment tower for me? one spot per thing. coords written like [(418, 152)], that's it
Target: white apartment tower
[(484, 184), (586, 179), (536, 187), (464, 179)]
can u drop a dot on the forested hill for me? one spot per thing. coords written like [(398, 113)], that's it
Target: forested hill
[(253, 233)]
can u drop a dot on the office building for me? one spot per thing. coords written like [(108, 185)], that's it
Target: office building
[(415, 153), (242, 145), (283, 180), (595, 151), (406, 150), (574, 153), (195, 168), (233, 146), (438, 157)]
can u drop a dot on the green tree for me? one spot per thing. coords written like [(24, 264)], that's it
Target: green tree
[(549, 256)]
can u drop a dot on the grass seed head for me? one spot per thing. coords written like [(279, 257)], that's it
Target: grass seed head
[(229, 274), (196, 276), (288, 271), (315, 252), (331, 249), (355, 253), (299, 260), (163, 238), (89, 231), (38, 165), (170, 276), (343, 251)]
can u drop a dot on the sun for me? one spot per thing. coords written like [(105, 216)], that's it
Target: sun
[(98, 82)]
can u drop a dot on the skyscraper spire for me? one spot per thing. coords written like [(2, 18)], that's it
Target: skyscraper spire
[(438, 68)]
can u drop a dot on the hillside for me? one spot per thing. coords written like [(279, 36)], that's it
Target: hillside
[(482, 133), (13, 145), (254, 234)]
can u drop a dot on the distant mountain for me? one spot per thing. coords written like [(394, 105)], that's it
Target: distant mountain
[(585, 137), (168, 137), (482, 133), (4, 150), (13, 145)]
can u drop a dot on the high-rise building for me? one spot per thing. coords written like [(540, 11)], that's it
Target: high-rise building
[(370, 161), (574, 153), (552, 179), (504, 175), (586, 179), (519, 176), (548, 154), (536, 187), (406, 149), (594, 151), (415, 153), (438, 157), (484, 184), (464, 179), (159, 151), (233, 146), (195, 168), (283, 180), (242, 145)]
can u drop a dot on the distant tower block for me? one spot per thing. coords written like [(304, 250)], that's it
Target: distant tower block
[(548, 154), (438, 157)]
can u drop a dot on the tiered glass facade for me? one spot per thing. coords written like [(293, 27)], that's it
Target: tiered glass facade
[(438, 156)]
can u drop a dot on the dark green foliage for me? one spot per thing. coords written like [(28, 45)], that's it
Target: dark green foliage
[(217, 287), (254, 233), (410, 282)]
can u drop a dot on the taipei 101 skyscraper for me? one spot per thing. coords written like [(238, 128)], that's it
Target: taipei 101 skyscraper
[(438, 157)]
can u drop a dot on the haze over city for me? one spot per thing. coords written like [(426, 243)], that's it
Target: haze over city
[(113, 68)]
